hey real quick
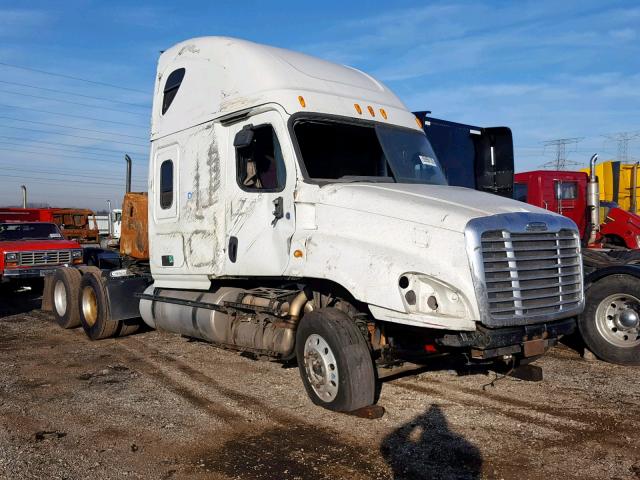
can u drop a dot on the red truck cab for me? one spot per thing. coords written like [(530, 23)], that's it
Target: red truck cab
[(566, 193), (31, 250)]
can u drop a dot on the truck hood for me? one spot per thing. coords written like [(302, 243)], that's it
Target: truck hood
[(434, 205), (31, 245)]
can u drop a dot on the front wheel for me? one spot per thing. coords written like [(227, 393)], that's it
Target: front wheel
[(334, 361), (610, 323)]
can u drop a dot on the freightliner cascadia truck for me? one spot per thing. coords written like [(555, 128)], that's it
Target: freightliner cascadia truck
[(296, 210)]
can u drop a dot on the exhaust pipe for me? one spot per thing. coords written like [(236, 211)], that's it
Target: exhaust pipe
[(634, 189), (127, 159), (593, 201), (24, 196), (110, 221)]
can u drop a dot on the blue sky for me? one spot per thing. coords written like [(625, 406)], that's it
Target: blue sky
[(546, 69)]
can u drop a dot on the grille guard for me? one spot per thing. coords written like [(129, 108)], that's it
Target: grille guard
[(516, 223)]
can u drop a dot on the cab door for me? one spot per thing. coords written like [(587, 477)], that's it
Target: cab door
[(261, 217)]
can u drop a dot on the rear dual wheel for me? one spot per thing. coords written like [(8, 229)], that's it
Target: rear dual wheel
[(95, 315), (66, 285)]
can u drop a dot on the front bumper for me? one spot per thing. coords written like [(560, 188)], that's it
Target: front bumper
[(527, 340), (31, 272)]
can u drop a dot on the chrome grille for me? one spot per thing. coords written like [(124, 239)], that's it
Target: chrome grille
[(529, 275), (47, 257)]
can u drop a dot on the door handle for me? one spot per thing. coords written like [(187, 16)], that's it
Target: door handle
[(278, 211)]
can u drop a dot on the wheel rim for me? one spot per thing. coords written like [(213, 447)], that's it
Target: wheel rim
[(60, 298), (618, 320), (89, 306), (321, 367)]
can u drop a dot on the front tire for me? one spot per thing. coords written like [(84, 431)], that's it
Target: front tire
[(66, 287), (610, 323), (334, 361), (93, 304)]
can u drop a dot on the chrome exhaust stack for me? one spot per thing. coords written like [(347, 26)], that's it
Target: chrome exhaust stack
[(593, 201)]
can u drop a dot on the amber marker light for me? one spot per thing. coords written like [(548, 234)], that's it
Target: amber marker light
[(418, 122), (371, 111), (298, 253), (383, 113), (358, 108), (303, 104)]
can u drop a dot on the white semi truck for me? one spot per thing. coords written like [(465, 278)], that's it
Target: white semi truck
[(297, 210)]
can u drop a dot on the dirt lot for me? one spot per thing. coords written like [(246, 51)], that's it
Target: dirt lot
[(159, 406)]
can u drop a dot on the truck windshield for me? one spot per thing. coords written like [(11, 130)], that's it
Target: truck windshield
[(337, 151), (29, 231)]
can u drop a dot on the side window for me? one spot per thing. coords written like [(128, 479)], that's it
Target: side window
[(520, 191), (566, 190), (171, 87), (166, 184), (260, 165)]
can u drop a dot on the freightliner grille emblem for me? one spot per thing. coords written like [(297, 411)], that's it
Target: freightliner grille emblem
[(536, 227)]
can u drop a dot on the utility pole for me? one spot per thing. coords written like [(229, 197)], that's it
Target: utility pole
[(560, 145), (623, 139)]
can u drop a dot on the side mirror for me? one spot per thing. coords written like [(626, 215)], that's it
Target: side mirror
[(244, 137)]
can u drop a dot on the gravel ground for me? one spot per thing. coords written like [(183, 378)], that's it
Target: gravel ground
[(160, 406)]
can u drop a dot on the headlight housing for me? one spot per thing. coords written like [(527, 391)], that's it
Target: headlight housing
[(76, 253), (424, 294), (11, 257)]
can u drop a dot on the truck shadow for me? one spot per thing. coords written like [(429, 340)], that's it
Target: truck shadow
[(15, 300), (426, 448)]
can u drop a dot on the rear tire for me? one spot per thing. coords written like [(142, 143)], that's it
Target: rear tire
[(93, 305), (65, 291), (334, 361), (609, 324)]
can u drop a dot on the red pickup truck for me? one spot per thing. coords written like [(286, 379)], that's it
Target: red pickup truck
[(32, 250)]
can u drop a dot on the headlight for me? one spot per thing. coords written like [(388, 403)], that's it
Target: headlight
[(76, 253), (11, 257), (425, 294)]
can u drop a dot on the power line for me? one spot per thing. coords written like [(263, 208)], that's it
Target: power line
[(62, 75), (69, 102), (73, 116), (71, 126), (64, 92), (70, 174), (63, 144), (73, 136), (560, 144), (623, 139), (49, 181), (68, 153)]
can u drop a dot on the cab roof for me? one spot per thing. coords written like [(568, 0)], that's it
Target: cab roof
[(224, 75)]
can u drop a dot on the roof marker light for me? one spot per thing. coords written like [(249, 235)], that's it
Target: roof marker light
[(371, 111), (358, 109), (418, 122), (383, 113), (303, 104)]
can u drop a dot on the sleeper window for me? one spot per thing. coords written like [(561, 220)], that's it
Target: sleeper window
[(260, 164), (166, 184), (171, 88)]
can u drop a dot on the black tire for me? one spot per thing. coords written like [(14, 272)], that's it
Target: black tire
[(93, 305), (599, 324), (356, 385), (64, 297)]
